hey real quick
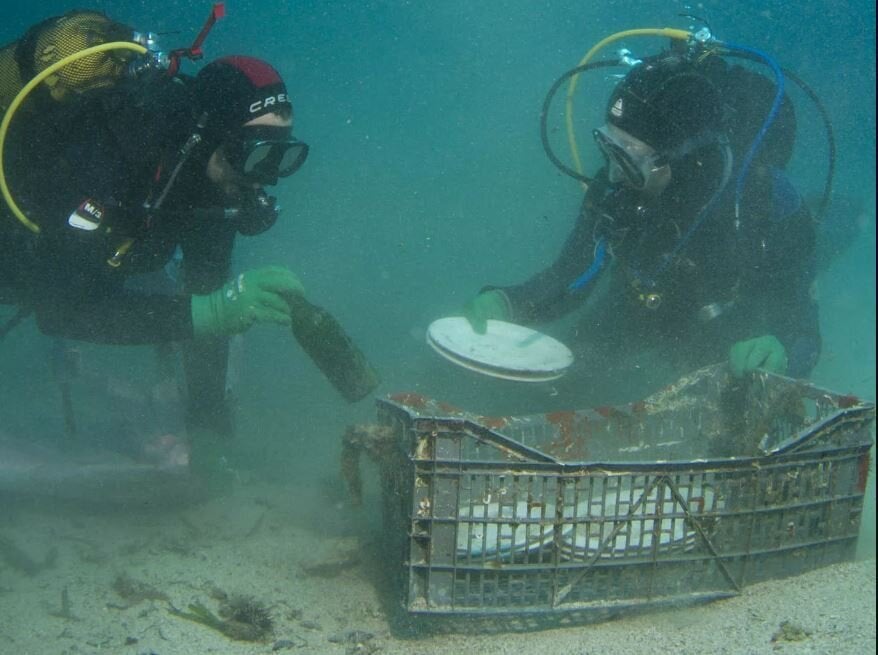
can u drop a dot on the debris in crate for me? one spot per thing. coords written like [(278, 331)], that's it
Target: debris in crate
[(748, 419), (609, 522), (685, 496)]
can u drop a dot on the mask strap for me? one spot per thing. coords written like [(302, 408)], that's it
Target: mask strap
[(690, 145)]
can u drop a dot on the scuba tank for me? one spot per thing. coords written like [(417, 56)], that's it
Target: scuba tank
[(53, 40), (72, 54), (58, 38)]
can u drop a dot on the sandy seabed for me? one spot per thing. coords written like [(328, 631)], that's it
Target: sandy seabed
[(304, 556)]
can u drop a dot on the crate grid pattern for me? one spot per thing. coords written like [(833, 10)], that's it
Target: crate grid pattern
[(482, 521)]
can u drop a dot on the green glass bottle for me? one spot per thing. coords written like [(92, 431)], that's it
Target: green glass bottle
[(330, 348)]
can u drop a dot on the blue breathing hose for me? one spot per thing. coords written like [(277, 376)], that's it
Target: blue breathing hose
[(600, 254), (766, 124), (600, 247)]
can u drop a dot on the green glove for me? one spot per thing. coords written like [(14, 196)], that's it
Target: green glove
[(488, 304), (257, 296), (765, 352)]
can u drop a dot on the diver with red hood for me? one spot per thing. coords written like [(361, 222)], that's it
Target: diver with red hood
[(120, 176)]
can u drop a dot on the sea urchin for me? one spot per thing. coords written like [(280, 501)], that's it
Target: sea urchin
[(246, 618)]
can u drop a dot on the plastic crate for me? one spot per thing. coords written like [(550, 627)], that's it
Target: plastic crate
[(689, 495)]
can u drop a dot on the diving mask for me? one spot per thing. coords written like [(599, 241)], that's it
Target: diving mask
[(631, 161), (263, 153)]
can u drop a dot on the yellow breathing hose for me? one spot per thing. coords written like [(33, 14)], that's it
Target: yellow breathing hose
[(22, 95), (571, 87)]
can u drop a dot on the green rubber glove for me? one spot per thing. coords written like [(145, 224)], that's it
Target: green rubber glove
[(765, 352), (488, 304), (257, 296)]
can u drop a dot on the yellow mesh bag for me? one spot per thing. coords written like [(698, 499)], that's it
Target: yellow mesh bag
[(57, 38), (10, 78)]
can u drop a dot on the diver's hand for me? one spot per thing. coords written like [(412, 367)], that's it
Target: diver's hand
[(765, 353), (257, 296), (488, 304)]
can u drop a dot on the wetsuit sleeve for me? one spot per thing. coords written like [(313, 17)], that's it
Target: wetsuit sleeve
[(547, 295), (782, 287)]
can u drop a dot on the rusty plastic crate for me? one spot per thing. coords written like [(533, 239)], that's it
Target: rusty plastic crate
[(687, 496)]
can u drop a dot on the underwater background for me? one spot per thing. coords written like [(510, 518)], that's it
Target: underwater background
[(427, 180)]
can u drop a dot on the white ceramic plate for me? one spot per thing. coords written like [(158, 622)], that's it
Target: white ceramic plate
[(506, 529), (585, 538), (506, 350)]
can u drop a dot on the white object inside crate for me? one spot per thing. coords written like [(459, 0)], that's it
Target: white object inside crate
[(506, 529)]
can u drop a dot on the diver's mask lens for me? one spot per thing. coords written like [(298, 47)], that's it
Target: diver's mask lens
[(263, 154), (280, 158), (632, 161)]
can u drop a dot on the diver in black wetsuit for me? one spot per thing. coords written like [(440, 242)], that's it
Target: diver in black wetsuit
[(116, 178), (704, 263)]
